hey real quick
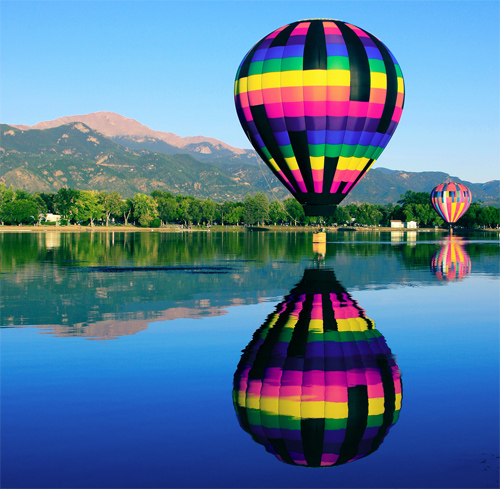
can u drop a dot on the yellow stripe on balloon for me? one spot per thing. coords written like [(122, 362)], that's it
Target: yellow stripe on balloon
[(292, 163), (271, 80), (375, 406), (378, 80), (315, 78), (317, 162), (338, 78), (254, 82), (312, 409)]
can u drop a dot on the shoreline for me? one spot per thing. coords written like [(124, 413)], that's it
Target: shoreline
[(217, 228)]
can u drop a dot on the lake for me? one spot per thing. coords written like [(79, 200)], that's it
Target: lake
[(249, 359)]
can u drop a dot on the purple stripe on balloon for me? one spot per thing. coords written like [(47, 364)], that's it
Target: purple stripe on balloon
[(336, 123), (371, 124), (355, 123), (282, 138), (377, 138), (366, 138), (334, 437), (295, 123), (317, 123), (335, 45), (296, 40), (277, 124)]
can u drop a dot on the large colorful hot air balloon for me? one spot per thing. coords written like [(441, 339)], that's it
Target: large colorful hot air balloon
[(451, 200), (317, 385), (451, 262), (319, 100)]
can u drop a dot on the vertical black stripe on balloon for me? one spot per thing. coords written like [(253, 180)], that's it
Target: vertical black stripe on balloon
[(392, 87), (298, 342), (389, 401), (282, 37), (358, 64), (315, 47), (329, 173), (279, 446), (329, 321), (357, 408), (300, 147), (265, 351), (312, 433), (265, 132)]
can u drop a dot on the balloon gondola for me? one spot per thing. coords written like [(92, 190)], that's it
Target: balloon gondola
[(319, 100), (317, 385)]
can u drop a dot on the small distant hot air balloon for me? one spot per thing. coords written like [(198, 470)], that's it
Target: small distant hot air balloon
[(451, 262), (451, 200), (319, 100), (317, 385)]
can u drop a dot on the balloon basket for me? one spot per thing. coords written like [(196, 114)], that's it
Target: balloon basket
[(319, 238)]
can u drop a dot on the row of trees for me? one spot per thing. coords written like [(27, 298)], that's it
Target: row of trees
[(89, 207)]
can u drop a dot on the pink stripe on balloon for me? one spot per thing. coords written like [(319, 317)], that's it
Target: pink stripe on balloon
[(293, 109), (357, 30), (276, 32), (315, 108), (300, 181), (255, 97), (358, 109), (337, 109), (318, 180), (248, 114), (331, 28), (375, 110), (328, 459), (274, 111), (356, 377), (254, 387), (396, 116)]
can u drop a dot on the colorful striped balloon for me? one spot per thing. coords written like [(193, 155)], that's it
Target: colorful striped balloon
[(451, 262), (319, 100), (451, 200), (317, 385)]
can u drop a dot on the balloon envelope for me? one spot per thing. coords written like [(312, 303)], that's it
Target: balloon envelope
[(319, 100), (317, 385), (451, 200), (451, 262)]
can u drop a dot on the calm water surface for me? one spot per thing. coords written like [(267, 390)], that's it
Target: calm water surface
[(249, 360)]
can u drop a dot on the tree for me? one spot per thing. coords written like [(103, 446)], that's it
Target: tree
[(89, 206), (145, 209), (126, 208), (111, 204), (294, 210), (208, 210), (277, 212), (167, 205), (256, 209), (65, 202), (19, 211)]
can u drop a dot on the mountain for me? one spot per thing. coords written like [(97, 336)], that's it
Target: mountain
[(73, 155), (106, 151), (135, 135)]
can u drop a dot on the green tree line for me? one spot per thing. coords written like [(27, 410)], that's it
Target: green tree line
[(159, 208)]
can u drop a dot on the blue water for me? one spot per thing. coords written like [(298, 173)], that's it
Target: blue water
[(124, 378)]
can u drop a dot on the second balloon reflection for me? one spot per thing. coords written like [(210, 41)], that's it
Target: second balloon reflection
[(317, 385)]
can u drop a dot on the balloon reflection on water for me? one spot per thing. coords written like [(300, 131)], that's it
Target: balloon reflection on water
[(318, 385), (451, 262)]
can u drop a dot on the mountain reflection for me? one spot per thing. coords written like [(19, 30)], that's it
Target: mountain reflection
[(451, 262), (317, 385)]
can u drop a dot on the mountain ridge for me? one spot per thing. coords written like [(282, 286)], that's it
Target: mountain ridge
[(131, 161)]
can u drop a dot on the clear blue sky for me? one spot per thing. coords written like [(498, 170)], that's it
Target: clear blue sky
[(171, 66)]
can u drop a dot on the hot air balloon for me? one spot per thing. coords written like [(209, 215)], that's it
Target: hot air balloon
[(451, 200), (317, 385), (451, 262), (319, 100)]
